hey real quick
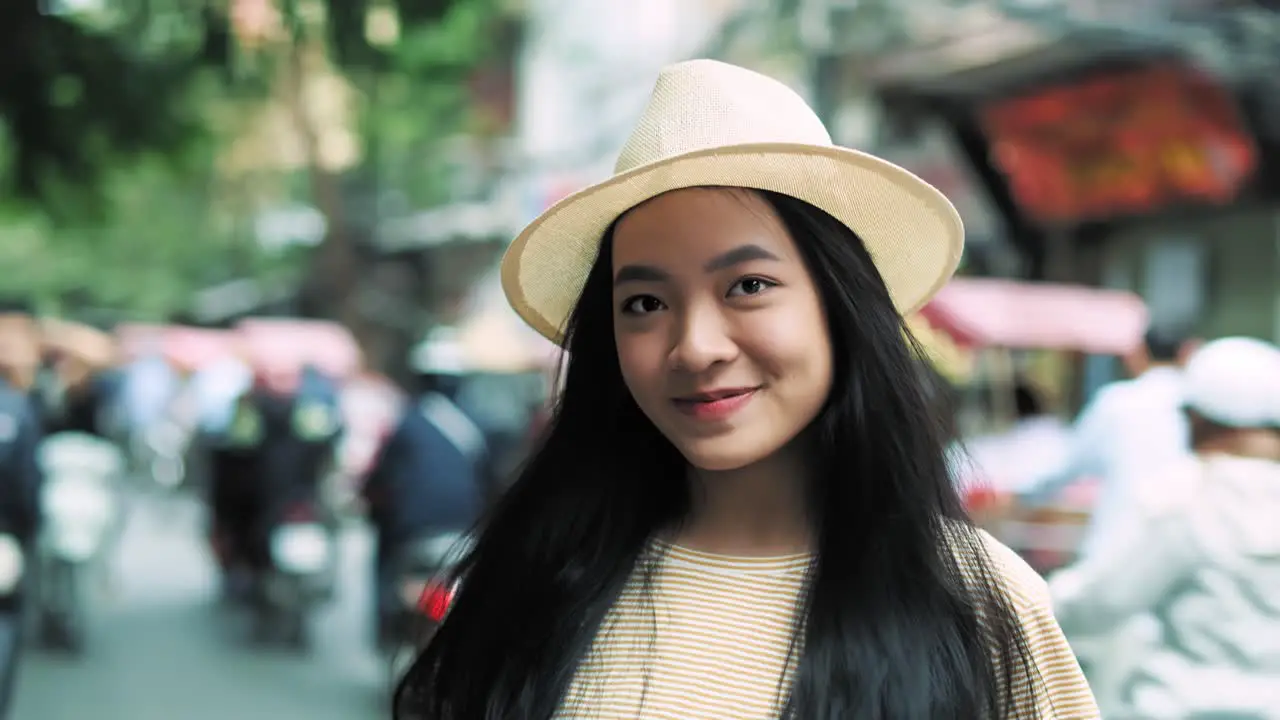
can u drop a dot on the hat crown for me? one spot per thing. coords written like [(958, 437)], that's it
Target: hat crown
[(704, 104)]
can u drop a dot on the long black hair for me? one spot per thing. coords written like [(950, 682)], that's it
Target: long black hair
[(890, 627)]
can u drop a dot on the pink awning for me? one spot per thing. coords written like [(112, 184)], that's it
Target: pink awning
[(138, 339), (281, 342), (987, 312), (193, 348), (183, 346)]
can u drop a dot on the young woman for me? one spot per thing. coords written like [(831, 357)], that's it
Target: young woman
[(742, 507)]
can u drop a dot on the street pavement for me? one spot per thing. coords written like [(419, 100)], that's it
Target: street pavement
[(162, 648)]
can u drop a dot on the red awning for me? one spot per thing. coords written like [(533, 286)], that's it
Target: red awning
[(986, 312)]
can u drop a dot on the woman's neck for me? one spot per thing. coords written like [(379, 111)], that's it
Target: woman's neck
[(759, 510)]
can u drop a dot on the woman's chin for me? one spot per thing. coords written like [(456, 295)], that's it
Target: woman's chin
[(722, 454)]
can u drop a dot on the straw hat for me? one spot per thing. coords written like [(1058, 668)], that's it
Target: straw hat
[(709, 123)]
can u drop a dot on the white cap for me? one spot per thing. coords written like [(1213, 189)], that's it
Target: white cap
[(441, 353), (1235, 382)]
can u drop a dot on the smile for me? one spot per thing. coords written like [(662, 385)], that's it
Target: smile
[(715, 405)]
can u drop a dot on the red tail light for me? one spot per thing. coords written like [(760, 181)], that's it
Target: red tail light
[(435, 601), (981, 498)]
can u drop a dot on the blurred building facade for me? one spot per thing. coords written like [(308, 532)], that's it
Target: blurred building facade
[(585, 75), (1127, 145), (576, 77), (944, 88)]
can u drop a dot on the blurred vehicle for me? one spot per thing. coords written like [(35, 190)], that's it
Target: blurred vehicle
[(302, 550), (425, 595), (12, 564), (275, 526), (19, 522), (13, 570), (159, 454), (81, 504), (303, 536), (273, 534), (972, 329), (427, 486)]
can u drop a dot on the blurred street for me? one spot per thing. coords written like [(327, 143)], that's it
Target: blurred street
[(162, 648), (255, 273)]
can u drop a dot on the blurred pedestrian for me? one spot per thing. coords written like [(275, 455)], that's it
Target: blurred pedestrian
[(1126, 428), (426, 487), (81, 392), (21, 482), (148, 385), (1199, 551)]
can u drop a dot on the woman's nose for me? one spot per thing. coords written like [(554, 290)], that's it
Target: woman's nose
[(701, 341)]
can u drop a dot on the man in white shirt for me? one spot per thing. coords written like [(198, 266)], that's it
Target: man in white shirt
[(1126, 428), (1196, 559)]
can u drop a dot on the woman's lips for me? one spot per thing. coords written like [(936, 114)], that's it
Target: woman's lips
[(721, 407)]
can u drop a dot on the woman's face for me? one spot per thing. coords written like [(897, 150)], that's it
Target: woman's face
[(721, 333)]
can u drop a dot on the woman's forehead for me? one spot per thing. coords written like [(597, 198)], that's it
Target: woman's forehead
[(696, 224)]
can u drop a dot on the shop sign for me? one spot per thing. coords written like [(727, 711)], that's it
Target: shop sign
[(1122, 144)]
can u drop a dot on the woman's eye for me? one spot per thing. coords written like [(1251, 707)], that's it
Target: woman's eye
[(750, 286), (641, 305)]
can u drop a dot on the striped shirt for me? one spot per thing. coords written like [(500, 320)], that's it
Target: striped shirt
[(710, 637)]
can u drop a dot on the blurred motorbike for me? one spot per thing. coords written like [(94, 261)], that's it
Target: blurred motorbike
[(425, 595), (160, 452), (12, 564), (80, 508), (302, 553), (12, 570)]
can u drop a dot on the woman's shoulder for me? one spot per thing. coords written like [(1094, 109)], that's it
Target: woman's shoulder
[(1060, 688), (979, 554)]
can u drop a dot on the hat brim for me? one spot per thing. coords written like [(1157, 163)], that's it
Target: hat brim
[(912, 232)]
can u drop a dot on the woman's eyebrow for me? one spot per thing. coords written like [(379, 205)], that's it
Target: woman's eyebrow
[(639, 273), (736, 256)]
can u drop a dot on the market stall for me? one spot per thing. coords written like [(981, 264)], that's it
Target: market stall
[(1028, 332)]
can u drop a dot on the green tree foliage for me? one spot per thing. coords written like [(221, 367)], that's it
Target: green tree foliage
[(75, 102), (106, 144), (158, 237), (81, 95), (419, 95)]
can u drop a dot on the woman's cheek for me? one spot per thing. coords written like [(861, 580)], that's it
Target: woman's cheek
[(784, 339)]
